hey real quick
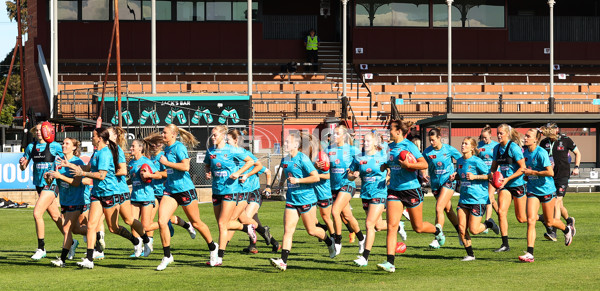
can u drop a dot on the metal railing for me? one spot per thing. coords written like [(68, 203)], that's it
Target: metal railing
[(296, 108)]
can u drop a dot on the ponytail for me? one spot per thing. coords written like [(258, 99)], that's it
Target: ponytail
[(307, 145), (188, 139), (513, 134), (114, 148), (150, 141), (120, 133)]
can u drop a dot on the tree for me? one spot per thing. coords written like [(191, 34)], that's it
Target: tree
[(12, 100), (11, 9)]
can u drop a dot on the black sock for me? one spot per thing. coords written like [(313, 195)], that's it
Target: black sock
[(469, 251), (167, 251), (323, 226), (488, 224), (437, 231), (90, 254), (41, 243), (390, 259), (273, 241), (97, 247), (284, 255), (569, 220), (349, 228), (366, 254), (145, 238), (360, 236), (98, 236), (63, 254), (541, 218), (221, 253), (328, 241), (567, 229), (212, 246), (186, 225), (245, 228), (456, 227), (338, 239), (255, 217), (505, 240), (530, 250), (123, 232)]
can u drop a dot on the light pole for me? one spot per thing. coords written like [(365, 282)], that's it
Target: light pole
[(449, 97), (551, 98), (249, 32), (344, 44), (153, 45)]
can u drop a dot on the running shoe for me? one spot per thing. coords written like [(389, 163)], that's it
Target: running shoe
[(495, 227), (387, 266), (572, 224), (352, 237), (401, 231), (331, 248), (405, 213), (101, 241), (275, 246), (39, 254), (550, 236), (361, 261), (98, 255), (191, 231), (338, 249), (147, 249), (71, 254), (151, 244), (468, 258), (252, 233), (171, 229), (279, 264), (214, 254), (252, 250), (58, 263), (216, 262), (502, 248), (361, 245), (569, 236), (486, 231), (527, 258), (268, 235), (441, 238), (85, 263), (139, 248), (164, 263), (434, 244)]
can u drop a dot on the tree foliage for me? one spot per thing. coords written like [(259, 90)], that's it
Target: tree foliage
[(11, 10)]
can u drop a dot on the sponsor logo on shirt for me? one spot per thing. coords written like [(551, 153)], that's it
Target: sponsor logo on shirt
[(482, 150), (218, 165), (213, 157), (439, 164), (285, 166), (369, 170), (432, 156), (363, 162), (332, 153), (460, 166), (337, 161)]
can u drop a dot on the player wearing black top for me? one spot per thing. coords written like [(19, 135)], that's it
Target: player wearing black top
[(558, 147)]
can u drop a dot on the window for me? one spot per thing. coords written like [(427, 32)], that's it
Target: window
[(94, 10), (130, 10), (200, 9), (478, 13), (185, 11), (67, 10), (220, 11), (163, 10), (240, 9), (408, 13)]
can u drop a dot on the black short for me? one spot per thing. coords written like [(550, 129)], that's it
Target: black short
[(347, 189), (108, 201), (72, 208), (184, 198), (449, 184), (474, 209), (516, 192), (301, 208), (366, 202), (52, 188), (561, 187), (325, 203), (410, 198), (159, 198), (543, 198), (255, 197), (218, 199), (125, 197), (143, 203), (240, 197)]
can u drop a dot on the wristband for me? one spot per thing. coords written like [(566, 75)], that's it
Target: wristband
[(576, 167)]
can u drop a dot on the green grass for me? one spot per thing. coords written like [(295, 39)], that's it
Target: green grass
[(309, 267)]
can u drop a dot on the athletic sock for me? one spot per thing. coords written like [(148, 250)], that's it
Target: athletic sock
[(541, 218), (98, 236), (63, 255), (284, 255), (221, 253), (186, 225), (437, 231), (391, 258), (366, 254), (261, 230), (212, 246), (456, 227), (569, 220), (255, 217), (505, 240), (349, 228), (323, 226), (469, 250), (41, 243), (167, 251), (338, 238), (567, 229), (530, 250), (145, 238), (488, 224), (89, 254), (360, 236), (245, 228), (328, 241)]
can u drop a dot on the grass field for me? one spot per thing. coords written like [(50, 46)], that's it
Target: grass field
[(309, 266)]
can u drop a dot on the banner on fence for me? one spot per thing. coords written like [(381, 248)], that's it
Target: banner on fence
[(11, 176)]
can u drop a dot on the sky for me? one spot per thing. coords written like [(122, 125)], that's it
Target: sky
[(8, 32)]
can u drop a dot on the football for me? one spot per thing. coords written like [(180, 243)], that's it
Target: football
[(400, 248), (497, 179), (323, 157), (146, 167), (47, 131), (408, 157)]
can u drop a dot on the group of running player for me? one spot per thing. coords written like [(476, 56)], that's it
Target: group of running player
[(94, 190)]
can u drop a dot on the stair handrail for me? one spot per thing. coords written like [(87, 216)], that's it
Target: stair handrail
[(395, 114), (361, 77)]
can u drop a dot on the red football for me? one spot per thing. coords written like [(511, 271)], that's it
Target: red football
[(497, 179), (146, 167), (400, 248), (407, 156), (47, 131), (323, 157)]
